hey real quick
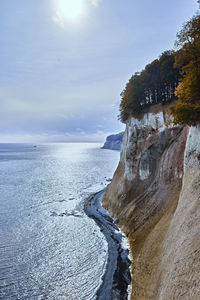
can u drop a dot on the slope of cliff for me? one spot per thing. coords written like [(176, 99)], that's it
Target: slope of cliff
[(155, 198)]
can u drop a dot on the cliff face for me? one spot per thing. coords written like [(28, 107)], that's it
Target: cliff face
[(155, 198), (113, 142)]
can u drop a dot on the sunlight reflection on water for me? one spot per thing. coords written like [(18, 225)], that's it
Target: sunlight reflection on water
[(49, 248)]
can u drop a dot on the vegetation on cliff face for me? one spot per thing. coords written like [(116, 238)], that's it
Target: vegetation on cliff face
[(175, 75)]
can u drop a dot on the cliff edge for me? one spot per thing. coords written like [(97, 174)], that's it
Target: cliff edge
[(155, 198)]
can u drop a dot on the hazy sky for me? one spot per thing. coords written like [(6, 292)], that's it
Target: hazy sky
[(64, 63)]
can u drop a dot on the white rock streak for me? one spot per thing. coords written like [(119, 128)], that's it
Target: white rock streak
[(192, 150), (150, 120)]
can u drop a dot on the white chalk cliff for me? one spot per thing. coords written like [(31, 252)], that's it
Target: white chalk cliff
[(155, 198)]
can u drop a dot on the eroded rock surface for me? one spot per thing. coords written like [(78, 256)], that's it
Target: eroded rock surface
[(155, 198)]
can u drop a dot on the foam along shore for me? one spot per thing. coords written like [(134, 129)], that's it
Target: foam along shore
[(117, 278)]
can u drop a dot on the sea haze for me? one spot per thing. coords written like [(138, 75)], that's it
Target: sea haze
[(49, 248)]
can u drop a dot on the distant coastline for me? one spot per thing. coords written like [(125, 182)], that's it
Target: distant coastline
[(114, 141)]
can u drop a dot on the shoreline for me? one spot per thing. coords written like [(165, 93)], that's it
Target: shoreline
[(117, 277)]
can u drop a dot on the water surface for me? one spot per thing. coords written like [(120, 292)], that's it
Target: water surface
[(49, 249)]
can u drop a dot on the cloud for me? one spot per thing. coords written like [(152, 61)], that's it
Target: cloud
[(58, 21), (95, 2), (45, 137)]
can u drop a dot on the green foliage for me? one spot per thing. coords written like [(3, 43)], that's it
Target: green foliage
[(185, 113), (175, 75), (155, 84), (187, 109)]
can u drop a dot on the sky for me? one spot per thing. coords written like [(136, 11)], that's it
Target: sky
[(64, 63)]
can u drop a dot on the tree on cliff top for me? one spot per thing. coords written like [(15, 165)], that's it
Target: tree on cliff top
[(155, 84), (187, 108)]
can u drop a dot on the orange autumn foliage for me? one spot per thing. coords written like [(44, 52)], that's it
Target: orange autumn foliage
[(187, 108)]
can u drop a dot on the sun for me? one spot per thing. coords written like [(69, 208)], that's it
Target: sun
[(69, 9)]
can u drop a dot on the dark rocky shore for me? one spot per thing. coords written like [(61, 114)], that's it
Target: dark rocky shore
[(116, 278)]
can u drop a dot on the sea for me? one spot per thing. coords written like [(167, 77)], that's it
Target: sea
[(49, 248)]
